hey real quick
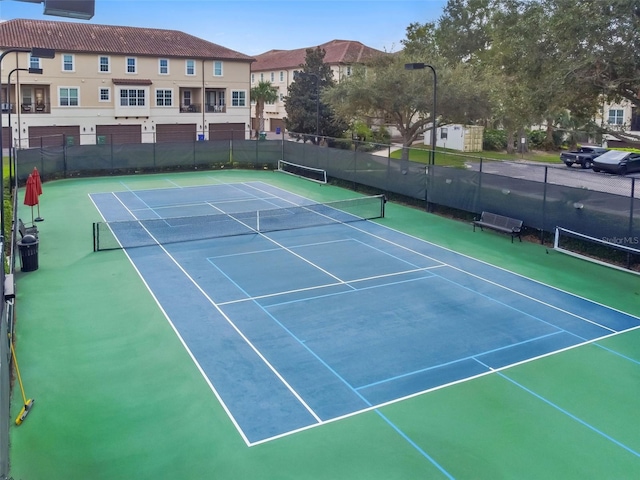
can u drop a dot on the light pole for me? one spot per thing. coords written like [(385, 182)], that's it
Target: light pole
[(35, 52), (420, 66), (309, 74), (36, 71)]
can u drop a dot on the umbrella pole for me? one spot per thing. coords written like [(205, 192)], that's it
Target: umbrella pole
[(31, 214), (39, 218)]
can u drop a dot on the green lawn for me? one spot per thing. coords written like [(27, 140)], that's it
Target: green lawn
[(445, 156)]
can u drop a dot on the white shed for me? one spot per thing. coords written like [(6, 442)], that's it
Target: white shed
[(464, 138)]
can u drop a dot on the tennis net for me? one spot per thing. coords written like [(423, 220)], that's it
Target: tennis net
[(613, 252), (160, 231), (314, 174)]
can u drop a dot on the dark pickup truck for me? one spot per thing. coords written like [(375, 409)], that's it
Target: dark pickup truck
[(583, 156)]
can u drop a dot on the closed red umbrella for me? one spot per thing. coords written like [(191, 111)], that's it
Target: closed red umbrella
[(38, 186), (36, 176), (31, 194)]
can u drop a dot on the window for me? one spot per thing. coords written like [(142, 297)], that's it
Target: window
[(131, 97), (282, 97), (444, 133), (34, 62), (104, 65), (190, 67), (238, 98), (131, 65), (67, 63), (217, 69), (104, 95), (164, 98), (253, 78), (272, 77), (348, 70), (616, 117), (262, 77), (282, 76), (163, 66), (186, 98), (68, 96)]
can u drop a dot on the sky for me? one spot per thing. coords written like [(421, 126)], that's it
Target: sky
[(253, 27)]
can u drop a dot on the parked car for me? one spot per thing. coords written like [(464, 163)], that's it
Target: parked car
[(583, 156), (617, 161)]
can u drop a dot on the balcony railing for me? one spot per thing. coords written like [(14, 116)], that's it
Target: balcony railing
[(216, 108), (35, 108), (192, 108)]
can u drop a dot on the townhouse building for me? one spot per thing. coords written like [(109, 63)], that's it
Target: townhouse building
[(113, 84), (279, 67), (624, 117)]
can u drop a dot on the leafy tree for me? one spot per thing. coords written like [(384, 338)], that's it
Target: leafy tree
[(599, 42), (263, 93), (307, 112), (518, 45), (464, 30), (384, 90)]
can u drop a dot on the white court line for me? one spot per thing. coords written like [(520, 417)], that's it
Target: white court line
[(461, 270), (537, 300), (235, 327), (337, 284)]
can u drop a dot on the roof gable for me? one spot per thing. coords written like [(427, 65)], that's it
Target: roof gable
[(109, 39)]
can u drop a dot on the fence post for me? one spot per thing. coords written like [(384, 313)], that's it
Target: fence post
[(355, 165), (631, 238), (544, 204), (64, 153), (111, 160)]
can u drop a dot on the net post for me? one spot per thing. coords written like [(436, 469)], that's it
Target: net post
[(556, 238), (258, 221)]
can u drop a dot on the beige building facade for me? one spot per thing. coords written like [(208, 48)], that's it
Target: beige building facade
[(279, 67), (110, 84)]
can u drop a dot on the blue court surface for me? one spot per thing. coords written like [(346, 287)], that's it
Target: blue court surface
[(296, 328)]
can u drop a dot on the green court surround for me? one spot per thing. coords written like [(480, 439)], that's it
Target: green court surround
[(117, 396)]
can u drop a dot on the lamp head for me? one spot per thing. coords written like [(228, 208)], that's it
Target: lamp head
[(43, 52), (414, 66)]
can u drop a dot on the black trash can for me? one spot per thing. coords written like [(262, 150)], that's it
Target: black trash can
[(28, 248)]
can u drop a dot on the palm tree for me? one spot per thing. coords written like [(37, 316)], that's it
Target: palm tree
[(263, 93)]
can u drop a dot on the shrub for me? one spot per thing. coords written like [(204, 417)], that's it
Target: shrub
[(381, 136), (537, 139), (495, 140)]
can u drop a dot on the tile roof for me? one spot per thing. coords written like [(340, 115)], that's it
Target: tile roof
[(336, 52), (109, 39)]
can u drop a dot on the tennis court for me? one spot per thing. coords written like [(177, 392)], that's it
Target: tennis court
[(300, 324), (414, 358)]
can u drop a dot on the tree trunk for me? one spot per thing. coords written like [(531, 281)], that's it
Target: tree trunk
[(523, 146), (549, 144), (510, 149)]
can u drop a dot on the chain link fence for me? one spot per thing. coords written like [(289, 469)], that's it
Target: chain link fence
[(543, 196)]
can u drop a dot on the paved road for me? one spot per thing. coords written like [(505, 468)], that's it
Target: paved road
[(561, 175)]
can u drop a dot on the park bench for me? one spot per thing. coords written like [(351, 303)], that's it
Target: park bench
[(499, 223), (24, 230)]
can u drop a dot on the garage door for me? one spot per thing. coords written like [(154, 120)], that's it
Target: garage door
[(277, 123), (166, 133), (226, 131), (118, 134), (54, 136)]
